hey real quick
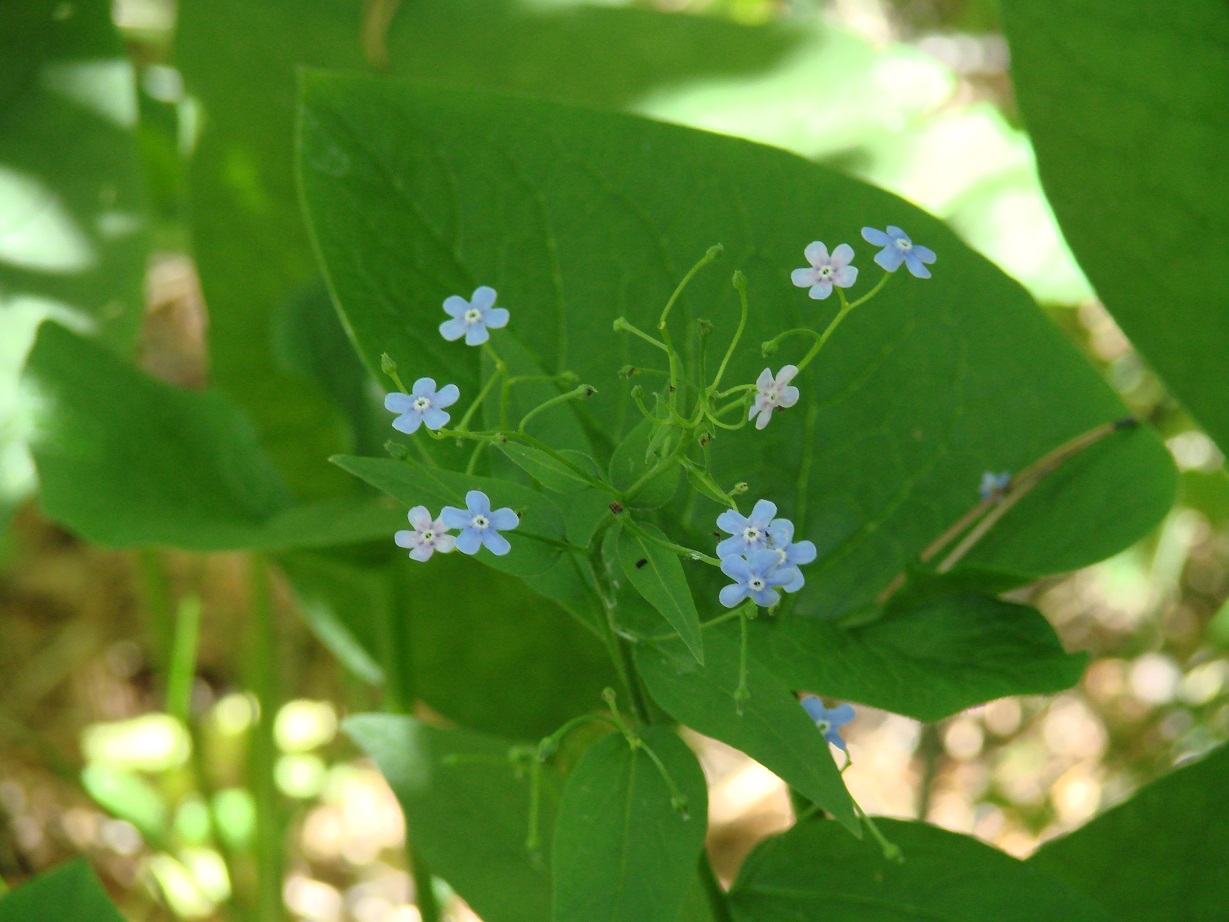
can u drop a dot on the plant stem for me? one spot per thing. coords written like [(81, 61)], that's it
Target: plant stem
[(181, 671), (740, 283), (263, 680), (846, 307)]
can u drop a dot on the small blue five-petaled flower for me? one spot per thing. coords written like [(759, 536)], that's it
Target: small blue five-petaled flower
[(748, 531), (473, 318), (429, 535), (793, 554), (756, 576), (993, 484), (422, 406), (825, 271), (897, 249), (480, 525), (828, 721), (773, 393)]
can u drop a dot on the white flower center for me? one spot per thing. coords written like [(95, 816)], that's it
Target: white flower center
[(428, 536), (751, 534), (904, 245), (781, 553), (755, 583), (479, 522), (473, 315), (824, 726), (825, 272), (422, 404), (772, 395)]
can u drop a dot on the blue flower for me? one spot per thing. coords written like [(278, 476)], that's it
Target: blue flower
[(825, 271), (427, 537), (422, 406), (897, 249), (756, 576), (772, 393), (828, 721), (791, 553), (749, 532), (479, 525), (993, 484), (472, 318)]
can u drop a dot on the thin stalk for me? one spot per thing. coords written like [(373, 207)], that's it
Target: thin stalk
[(263, 680), (583, 390), (687, 552), (740, 284), (870, 294), (846, 307), (181, 671), (622, 326)]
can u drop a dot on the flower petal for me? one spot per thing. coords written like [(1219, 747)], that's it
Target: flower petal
[(404, 538), (733, 594), (496, 318), (731, 547), (496, 543), (786, 375), (803, 278), (420, 518), (896, 233), (801, 553), (407, 423), (821, 289), (435, 418), (764, 418), (736, 567), (730, 521), (764, 381), (814, 707), (766, 598), (841, 715), (916, 269), (447, 395), (478, 503), (422, 552), (423, 387), (833, 737), (483, 297), (845, 276), (875, 236), (890, 258), (476, 334), (816, 253), (781, 531), (763, 512), (789, 397), (796, 583), (504, 519), (445, 543), (469, 541), (843, 255), (453, 517), (452, 329), (455, 305), (397, 402), (925, 254)]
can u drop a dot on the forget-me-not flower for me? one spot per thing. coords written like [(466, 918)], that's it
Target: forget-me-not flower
[(828, 721), (749, 532), (993, 484), (479, 525), (422, 406), (474, 317), (897, 249), (772, 393), (429, 535), (792, 553), (756, 576), (825, 271)]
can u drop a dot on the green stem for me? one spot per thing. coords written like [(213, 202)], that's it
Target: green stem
[(689, 553), (583, 390), (770, 347), (181, 672), (616, 645), (263, 680), (846, 307), (742, 693), (622, 326), (870, 294), (891, 851), (482, 394), (740, 283)]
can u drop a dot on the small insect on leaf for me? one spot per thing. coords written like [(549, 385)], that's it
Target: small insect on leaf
[(641, 562)]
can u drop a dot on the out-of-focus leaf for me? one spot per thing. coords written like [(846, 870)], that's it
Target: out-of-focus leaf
[(69, 893), (72, 197), (1157, 857), (816, 871), (623, 852), (467, 808), (1126, 105)]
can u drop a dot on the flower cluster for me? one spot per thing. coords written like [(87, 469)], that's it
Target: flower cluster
[(760, 555), (478, 523)]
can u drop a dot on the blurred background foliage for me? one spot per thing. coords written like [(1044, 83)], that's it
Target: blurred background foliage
[(170, 232)]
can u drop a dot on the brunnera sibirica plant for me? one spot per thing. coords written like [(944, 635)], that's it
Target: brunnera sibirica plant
[(642, 569)]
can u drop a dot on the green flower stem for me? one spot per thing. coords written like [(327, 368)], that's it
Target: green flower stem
[(579, 392), (389, 367), (689, 553), (264, 681), (622, 326), (661, 467), (770, 347), (870, 294), (674, 635), (482, 394), (742, 693), (555, 542), (891, 851), (474, 456), (182, 667), (711, 254), (532, 838), (505, 392), (663, 328), (678, 800), (550, 744), (740, 284), (846, 307), (616, 643)]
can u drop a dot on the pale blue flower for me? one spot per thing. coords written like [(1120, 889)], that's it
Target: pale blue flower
[(756, 576), (828, 721), (422, 406), (825, 271), (474, 317), (772, 393), (749, 532), (429, 535), (479, 525), (793, 554), (897, 249), (993, 484)]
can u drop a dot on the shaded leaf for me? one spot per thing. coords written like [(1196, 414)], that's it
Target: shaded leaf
[(657, 574), (68, 893)]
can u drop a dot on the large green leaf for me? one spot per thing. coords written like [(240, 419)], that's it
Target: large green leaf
[(622, 850), (657, 574), (815, 871), (1126, 105), (926, 660), (70, 893), (773, 728), (73, 235), (467, 812), (1159, 856), (578, 217), (126, 460)]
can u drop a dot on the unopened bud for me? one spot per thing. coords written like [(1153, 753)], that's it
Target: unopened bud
[(769, 348), (704, 327), (387, 365), (740, 487), (396, 450)]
